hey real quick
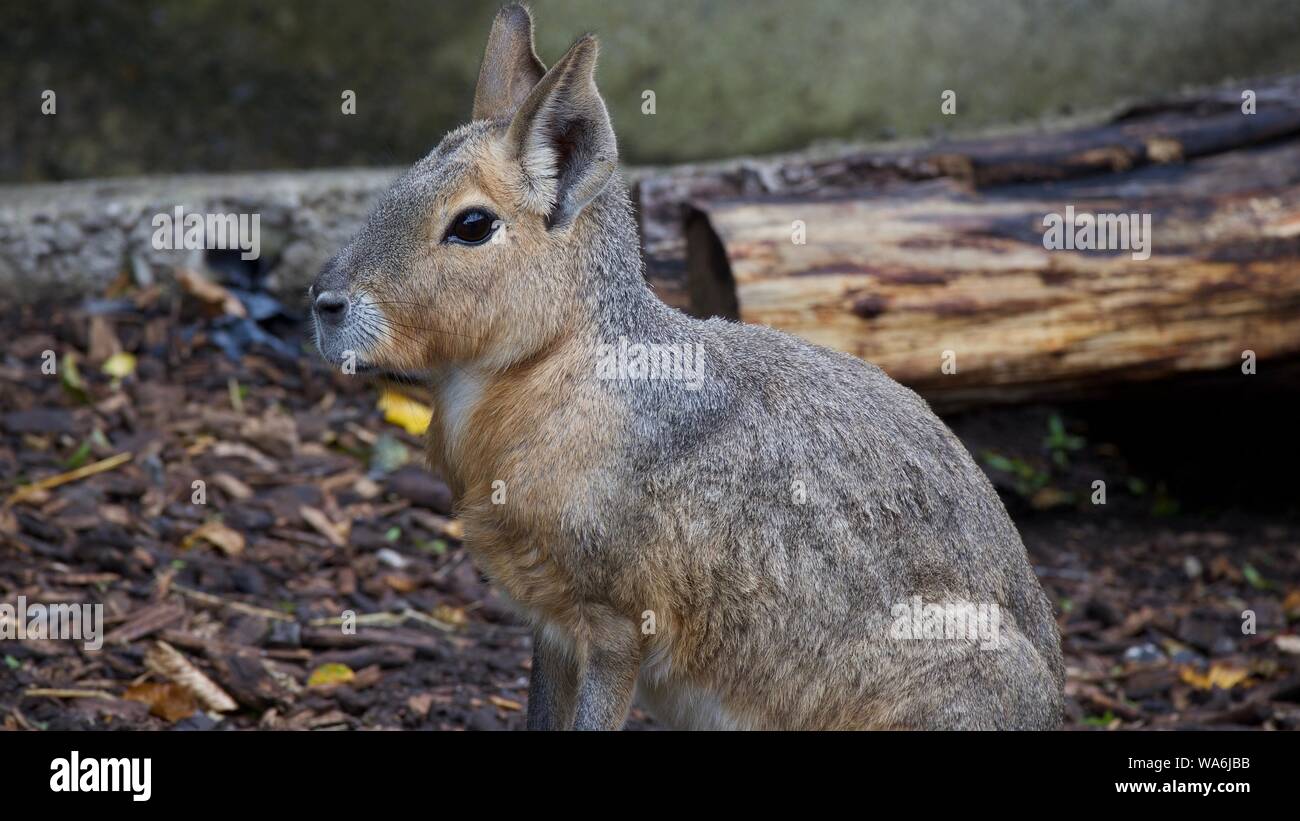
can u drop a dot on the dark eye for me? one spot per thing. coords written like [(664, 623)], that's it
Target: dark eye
[(472, 227)]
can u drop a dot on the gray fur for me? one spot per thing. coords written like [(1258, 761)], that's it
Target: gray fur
[(895, 507)]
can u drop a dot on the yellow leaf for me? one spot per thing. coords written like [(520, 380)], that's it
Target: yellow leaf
[(454, 616), (119, 365), (70, 376), (1223, 676), (405, 412), (329, 674), (1291, 604)]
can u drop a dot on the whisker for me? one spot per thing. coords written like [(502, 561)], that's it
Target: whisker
[(404, 335), (426, 329), (414, 340), (409, 304)]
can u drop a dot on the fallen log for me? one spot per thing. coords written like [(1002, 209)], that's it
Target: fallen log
[(938, 272), (1165, 131)]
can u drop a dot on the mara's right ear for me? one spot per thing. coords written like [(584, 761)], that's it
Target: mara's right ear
[(510, 65), (562, 138)]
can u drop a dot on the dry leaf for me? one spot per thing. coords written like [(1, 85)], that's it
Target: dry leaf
[(367, 488), (232, 487), (167, 662), (224, 537), (210, 293), (103, 341), (169, 701), (117, 514), (238, 450), (322, 525), (274, 433), (401, 583), (1221, 567), (420, 704)]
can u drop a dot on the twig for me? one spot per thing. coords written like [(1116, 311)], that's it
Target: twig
[(54, 692), (70, 476), (387, 620), (239, 607), (22, 720)]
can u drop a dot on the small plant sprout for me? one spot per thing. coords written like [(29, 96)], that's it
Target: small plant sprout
[(1059, 443)]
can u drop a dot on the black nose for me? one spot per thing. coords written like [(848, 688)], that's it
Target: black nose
[(331, 306)]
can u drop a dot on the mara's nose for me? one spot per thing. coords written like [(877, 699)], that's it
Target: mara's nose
[(331, 306)]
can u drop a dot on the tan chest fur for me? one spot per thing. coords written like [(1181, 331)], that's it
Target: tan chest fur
[(522, 451)]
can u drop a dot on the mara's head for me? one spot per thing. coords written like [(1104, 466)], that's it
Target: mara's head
[(483, 250)]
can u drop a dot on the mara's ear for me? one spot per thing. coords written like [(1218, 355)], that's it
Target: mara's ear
[(510, 65), (562, 138)]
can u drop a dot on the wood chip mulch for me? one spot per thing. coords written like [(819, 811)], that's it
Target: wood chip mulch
[(226, 498)]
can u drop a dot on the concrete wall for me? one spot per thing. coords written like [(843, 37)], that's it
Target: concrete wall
[(237, 85)]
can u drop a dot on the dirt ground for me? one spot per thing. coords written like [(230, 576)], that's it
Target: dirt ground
[(311, 503)]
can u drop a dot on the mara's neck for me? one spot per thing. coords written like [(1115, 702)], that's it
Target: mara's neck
[(619, 301)]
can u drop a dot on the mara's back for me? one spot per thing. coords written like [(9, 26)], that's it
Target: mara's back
[(809, 500)]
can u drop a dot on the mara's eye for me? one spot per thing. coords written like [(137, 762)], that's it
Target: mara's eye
[(472, 227)]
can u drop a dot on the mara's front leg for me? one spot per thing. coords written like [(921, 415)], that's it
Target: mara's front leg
[(610, 655), (553, 686)]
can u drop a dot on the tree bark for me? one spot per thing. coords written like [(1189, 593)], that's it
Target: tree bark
[(1164, 131), (939, 273)]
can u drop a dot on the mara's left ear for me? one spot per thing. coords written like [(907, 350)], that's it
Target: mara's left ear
[(562, 138), (510, 65)]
